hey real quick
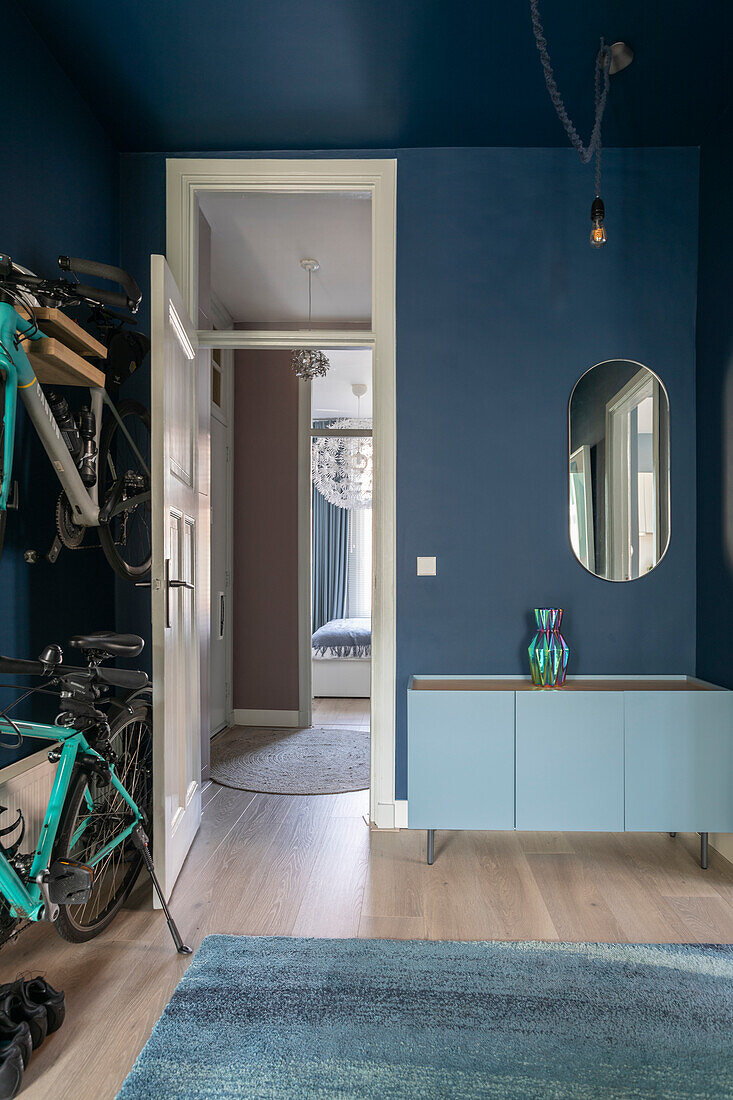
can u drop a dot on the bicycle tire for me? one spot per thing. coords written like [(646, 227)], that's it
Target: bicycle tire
[(131, 738), (113, 536)]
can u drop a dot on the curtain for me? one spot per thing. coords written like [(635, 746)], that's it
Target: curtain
[(330, 557)]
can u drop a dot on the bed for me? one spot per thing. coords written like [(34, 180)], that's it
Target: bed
[(342, 659)]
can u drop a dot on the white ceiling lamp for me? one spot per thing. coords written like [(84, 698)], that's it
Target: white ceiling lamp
[(343, 464), (309, 363)]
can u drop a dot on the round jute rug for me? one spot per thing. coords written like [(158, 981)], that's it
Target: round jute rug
[(318, 760)]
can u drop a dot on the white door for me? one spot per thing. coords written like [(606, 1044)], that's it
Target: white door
[(220, 536), (175, 510)]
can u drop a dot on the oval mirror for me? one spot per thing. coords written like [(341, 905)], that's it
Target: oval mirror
[(619, 470)]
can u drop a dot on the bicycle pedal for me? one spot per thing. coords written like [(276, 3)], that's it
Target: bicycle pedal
[(14, 498), (69, 882), (55, 550)]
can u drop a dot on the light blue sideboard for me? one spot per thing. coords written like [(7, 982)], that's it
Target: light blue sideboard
[(601, 754)]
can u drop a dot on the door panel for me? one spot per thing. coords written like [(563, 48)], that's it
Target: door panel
[(570, 760), (679, 761), (460, 759), (175, 505)]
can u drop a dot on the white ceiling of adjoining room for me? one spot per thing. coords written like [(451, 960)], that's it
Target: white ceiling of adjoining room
[(332, 396), (259, 239)]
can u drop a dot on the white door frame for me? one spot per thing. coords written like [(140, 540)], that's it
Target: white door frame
[(226, 418), (305, 554), (618, 524), (221, 320), (185, 179)]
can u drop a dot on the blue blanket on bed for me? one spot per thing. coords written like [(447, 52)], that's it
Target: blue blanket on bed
[(343, 638)]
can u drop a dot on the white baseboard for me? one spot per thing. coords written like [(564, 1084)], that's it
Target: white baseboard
[(266, 718), (400, 813), (383, 815), (26, 785)]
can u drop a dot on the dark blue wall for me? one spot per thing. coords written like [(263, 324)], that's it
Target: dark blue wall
[(715, 416), (501, 306), (58, 193)]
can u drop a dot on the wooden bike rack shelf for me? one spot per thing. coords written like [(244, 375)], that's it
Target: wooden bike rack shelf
[(55, 363), (58, 357)]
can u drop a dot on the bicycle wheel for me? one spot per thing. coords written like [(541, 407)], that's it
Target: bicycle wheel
[(126, 539), (115, 875)]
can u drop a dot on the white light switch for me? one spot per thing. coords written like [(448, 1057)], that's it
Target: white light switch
[(426, 567)]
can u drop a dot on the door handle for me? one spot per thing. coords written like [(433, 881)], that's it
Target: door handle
[(173, 584)]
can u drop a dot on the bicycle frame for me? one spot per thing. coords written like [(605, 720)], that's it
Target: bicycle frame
[(20, 379), (26, 902)]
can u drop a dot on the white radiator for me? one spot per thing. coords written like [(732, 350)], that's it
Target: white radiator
[(26, 785)]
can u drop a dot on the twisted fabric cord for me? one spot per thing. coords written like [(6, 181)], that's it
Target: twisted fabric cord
[(602, 83)]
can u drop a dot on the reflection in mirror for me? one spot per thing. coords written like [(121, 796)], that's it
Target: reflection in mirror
[(619, 470)]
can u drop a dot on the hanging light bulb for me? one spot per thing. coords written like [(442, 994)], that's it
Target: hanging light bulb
[(598, 230), (609, 60)]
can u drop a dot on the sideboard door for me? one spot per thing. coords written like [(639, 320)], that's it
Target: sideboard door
[(570, 760), (460, 759), (679, 761)]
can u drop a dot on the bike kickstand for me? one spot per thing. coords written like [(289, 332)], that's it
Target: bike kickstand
[(141, 842)]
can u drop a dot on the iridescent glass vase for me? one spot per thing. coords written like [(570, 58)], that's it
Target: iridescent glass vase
[(548, 650)]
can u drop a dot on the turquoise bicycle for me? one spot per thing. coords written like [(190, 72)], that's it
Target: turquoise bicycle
[(94, 840)]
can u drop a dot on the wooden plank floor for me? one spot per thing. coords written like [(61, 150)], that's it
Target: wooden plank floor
[(309, 866)]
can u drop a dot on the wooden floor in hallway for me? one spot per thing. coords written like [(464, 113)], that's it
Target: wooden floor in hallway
[(310, 866)]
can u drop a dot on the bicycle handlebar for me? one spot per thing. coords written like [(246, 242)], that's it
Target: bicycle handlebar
[(14, 666), (108, 297), (112, 677), (130, 300)]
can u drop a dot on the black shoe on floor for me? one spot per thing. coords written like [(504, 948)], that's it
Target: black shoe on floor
[(15, 1007), (20, 1034), (11, 1068), (38, 992)]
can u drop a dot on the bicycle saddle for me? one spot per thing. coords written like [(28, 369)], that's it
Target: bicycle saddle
[(106, 641)]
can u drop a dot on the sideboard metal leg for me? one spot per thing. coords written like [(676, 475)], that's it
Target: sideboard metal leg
[(431, 846), (704, 851), (673, 834)]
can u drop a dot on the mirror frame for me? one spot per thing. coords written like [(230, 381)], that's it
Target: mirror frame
[(569, 455)]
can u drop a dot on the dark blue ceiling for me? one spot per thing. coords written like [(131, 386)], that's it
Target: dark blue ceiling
[(360, 74)]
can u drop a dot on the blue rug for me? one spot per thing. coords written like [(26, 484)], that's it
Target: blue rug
[(275, 1019)]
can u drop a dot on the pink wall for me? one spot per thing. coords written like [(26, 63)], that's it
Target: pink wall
[(265, 559)]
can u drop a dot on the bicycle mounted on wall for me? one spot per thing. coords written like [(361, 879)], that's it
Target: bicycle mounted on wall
[(103, 467)]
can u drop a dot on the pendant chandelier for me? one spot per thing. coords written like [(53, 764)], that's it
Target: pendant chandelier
[(609, 60), (342, 465), (309, 363)]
